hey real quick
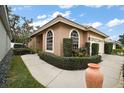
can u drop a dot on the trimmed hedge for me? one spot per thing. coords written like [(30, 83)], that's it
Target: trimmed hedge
[(67, 47), (69, 63), (87, 45), (19, 46), (108, 48), (95, 48), (23, 51)]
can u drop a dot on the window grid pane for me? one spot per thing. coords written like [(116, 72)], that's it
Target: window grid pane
[(49, 40), (75, 38)]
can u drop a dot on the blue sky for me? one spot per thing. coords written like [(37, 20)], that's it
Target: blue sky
[(108, 19)]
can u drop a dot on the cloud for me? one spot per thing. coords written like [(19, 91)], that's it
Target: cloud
[(82, 14), (66, 6), (27, 6), (115, 22), (21, 7), (95, 24), (40, 23), (66, 14), (110, 30), (47, 18), (94, 6), (109, 6), (113, 37), (122, 7), (14, 9), (41, 16)]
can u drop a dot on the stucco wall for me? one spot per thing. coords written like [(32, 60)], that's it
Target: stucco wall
[(57, 38), (4, 41), (62, 31), (32, 43)]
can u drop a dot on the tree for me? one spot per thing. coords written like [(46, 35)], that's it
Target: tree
[(14, 21), (121, 39), (20, 27)]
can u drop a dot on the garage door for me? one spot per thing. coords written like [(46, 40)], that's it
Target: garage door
[(101, 47)]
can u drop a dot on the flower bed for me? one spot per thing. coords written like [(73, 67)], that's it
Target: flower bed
[(69, 63)]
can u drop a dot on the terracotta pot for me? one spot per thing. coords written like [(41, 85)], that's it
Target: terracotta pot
[(94, 78)]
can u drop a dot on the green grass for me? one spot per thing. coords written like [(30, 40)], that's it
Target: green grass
[(19, 76)]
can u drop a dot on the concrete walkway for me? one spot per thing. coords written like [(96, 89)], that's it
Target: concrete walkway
[(53, 77)]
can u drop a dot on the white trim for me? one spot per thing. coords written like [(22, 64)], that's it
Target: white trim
[(96, 37), (78, 35), (52, 51)]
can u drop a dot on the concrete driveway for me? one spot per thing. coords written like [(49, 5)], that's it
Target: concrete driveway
[(53, 77)]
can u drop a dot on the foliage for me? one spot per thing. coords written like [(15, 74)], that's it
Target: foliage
[(121, 38), (21, 27), (69, 63), (67, 47), (81, 52), (118, 52), (95, 48), (118, 46), (19, 76), (23, 51), (19, 46), (108, 48), (87, 45)]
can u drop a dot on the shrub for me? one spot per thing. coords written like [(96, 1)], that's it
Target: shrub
[(19, 46), (67, 47), (95, 48), (36, 50), (22, 51), (75, 53), (81, 52), (69, 63), (118, 51), (108, 48), (87, 45), (118, 46)]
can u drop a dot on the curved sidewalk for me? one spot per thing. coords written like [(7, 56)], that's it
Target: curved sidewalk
[(53, 77)]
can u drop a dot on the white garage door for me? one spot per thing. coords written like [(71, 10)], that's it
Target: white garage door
[(101, 47)]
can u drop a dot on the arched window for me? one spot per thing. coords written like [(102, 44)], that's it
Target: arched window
[(75, 39), (49, 44)]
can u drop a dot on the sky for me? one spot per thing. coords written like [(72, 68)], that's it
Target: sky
[(107, 19)]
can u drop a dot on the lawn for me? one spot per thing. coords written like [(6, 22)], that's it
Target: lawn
[(19, 76)]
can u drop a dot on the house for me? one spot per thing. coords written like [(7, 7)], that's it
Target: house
[(116, 44), (5, 34), (50, 36)]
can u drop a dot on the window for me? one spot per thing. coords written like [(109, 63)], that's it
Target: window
[(49, 45), (75, 39)]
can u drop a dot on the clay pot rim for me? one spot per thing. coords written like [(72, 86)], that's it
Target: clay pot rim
[(93, 65)]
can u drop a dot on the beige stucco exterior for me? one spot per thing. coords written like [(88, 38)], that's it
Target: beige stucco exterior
[(61, 31), (5, 34), (5, 41)]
